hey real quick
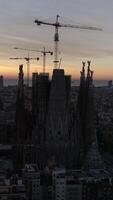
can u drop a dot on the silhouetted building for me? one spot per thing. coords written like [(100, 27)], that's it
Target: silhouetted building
[(46, 186), (41, 93), (52, 133), (23, 124), (1, 87), (34, 95), (85, 114), (77, 184), (12, 189), (20, 109), (110, 83), (31, 179), (1, 81)]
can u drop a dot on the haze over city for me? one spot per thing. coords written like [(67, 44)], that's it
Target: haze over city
[(18, 29)]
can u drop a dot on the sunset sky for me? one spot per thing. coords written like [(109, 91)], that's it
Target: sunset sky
[(17, 29)]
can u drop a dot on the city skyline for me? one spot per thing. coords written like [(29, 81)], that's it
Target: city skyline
[(18, 29), (56, 125)]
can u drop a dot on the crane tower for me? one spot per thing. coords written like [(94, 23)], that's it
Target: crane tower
[(58, 25)]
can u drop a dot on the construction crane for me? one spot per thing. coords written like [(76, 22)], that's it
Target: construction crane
[(57, 25), (43, 52), (28, 64)]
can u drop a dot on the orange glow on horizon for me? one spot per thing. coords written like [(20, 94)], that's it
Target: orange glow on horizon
[(11, 72)]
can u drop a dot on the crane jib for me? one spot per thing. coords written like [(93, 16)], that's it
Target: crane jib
[(47, 23), (57, 25)]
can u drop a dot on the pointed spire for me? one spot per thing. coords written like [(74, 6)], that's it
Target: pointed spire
[(89, 73), (20, 82), (20, 74), (20, 106), (83, 70), (86, 113), (82, 77), (88, 70)]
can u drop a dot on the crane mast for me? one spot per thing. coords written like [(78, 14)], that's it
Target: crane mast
[(44, 52), (56, 40), (28, 70), (57, 25)]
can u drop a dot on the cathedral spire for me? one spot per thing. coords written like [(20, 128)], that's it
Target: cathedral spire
[(85, 113), (83, 71), (20, 108), (88, 69), (21, 74), (20, 83), (89, 72)]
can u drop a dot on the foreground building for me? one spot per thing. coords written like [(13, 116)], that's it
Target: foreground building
[(92, 184), (31, 180), (12, 189)]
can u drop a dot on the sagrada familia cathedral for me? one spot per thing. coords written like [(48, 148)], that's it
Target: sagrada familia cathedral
[(58, 132)]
